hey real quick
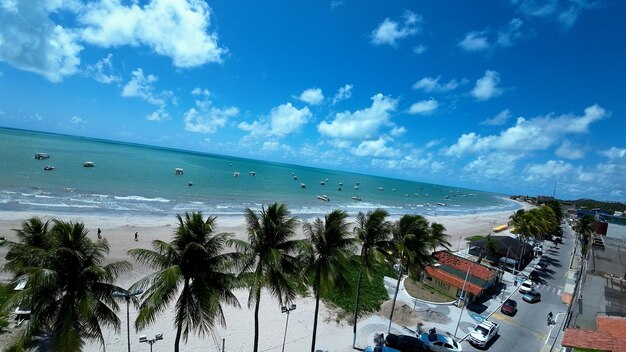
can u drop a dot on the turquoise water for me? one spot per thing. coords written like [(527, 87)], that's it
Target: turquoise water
[(139, 179)]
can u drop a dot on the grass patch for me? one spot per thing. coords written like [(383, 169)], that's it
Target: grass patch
[(373, 292), (474, 238), (423, 291)]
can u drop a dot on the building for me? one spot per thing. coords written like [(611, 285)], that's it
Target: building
[(508, 247), (609, 336), (449, 272)]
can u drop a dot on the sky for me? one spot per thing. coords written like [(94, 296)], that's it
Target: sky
[(509, 96)]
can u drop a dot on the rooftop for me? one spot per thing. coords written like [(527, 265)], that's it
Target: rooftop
[(610, 335)]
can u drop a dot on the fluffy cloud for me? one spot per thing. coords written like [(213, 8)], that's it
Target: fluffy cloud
[(103, 71), (492, 165), (430, 84), (487, 86), (508, 35), (567, 150), (528, 135), (283, 120), (566, 12), (388, 32), (206, 118), (424, 107), (361, 124), (177, 29), (312, 96), (158, 115), (343, 93), (614, 153), (77, 121), (141, 86), (30, 41), (551, 170), (475, 41), (375, 148), (500, 119)]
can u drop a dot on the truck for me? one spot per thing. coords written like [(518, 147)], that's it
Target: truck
[(483, 333)]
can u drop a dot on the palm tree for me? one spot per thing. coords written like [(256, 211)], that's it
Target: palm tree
[(411, 242), (373, 232), (328, 255), (270, 258), (69, 291), (584, 228), (436, 236), (33, 242), (194, 267)]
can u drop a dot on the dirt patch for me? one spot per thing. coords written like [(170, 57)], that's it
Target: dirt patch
[(419, 290), (402, 314)]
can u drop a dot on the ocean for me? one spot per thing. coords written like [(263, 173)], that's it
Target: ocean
[(136, 179)]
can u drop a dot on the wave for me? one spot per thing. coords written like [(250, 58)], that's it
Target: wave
[(142, 199)]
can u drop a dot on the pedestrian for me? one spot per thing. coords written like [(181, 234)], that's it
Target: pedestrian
[(136, 237), (99, 233)]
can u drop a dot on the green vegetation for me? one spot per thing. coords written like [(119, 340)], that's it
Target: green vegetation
[(474, 238), (6, 292), (426, 292), (593, 204)]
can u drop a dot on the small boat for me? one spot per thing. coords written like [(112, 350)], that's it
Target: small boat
[(252, 173), (406, 195), (356, 187), (178, 171), (323, 197), (302, 185), (340, 183), (356, 197), (393, 189), (295, 177), (339, 189), (49, 168), (189, 184), (381, 189), (42, 156), (322, 183), (89, 164), (357, 183), (236, 174), (441, 204), (326, 180)]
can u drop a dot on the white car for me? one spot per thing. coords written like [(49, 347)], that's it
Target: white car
[(526, 286), (440, 343)]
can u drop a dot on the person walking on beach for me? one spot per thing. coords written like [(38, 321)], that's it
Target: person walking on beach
[(136, 237), (99, 233)]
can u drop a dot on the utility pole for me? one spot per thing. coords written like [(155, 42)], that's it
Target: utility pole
[(464, 300)]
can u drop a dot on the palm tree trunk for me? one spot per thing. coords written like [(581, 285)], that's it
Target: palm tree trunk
[(316, 288), (179, 326), (256, 318), (356, 305)]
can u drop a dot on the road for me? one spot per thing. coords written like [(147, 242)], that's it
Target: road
[(528, 329)]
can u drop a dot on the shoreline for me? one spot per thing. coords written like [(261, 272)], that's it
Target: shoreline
[(332, 335)]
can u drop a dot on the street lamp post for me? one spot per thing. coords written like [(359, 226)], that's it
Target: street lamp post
[(144, 338), (285, 309), (462, 296), (399, 269), (127, 296)]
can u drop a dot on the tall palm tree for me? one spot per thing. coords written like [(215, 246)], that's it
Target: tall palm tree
[(33, 240), (411, 242), (69, 291), (437, 237), (584, 228), (194, 267), (328, 255), (270, 258), (372, 231)]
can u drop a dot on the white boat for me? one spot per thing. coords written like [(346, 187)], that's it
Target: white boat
[(302, 185), (356, 197), (441, 204), (89, 164), (178, 171), (252, 173), (236, 174), (340, 183), (381, 189), (42, 156), (356, 187), (393, 189), (323, 197), (295, 177), (49, 168), (406, 194), (322, 183)]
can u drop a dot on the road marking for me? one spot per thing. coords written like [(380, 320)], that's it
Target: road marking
[(559, 293), (510, 320), (556, 319)]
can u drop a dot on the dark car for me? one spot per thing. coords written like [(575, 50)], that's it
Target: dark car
[(509, 307), (532, 297), (534, 275), (405, 343)]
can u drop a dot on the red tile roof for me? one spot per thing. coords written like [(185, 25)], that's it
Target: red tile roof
[(453, 280), (610, 336), (459, 263)]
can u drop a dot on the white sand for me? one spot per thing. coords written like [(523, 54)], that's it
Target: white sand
[(239, 334)]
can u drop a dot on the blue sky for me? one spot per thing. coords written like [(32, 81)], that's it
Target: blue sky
[(507, 96)]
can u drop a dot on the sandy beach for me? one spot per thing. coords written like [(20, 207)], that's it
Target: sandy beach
[(239, 333)]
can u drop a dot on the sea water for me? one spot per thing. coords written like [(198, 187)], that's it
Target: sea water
[(137, 179)]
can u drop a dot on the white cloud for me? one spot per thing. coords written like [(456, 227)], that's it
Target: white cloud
[(614, 153), (312, 96), (507, 36), (77, 121), (419, 49), (397, 131), (487, 86), (174, 28), (500, 119), (475, 41), (430, 84), (158, 115), (283, 120), (343, 93), (551, 170), (424, 107), (206, 118), (566, 12), (567, 150), (31, 41), (375, 148), (493, 165), (141, 86), (274, 146), (361, 124), (388, 32), (432, 143), (538, 133), (103, 71)]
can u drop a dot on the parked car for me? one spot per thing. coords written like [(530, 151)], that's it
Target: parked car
[(526, 286), (440, 343), (483, 333), (532, 296), (541, 264), (509, 307), (405, 343), (534, 275), (379, 349)]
